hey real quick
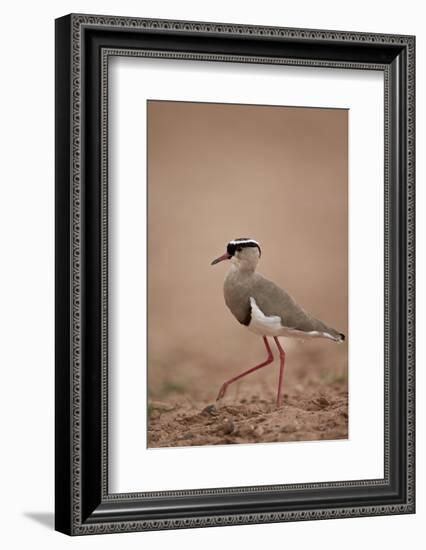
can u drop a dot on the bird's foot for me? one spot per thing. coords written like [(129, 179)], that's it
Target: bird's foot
[(222, 392)]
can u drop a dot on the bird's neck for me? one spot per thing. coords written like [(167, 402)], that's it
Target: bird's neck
[(242, 268)]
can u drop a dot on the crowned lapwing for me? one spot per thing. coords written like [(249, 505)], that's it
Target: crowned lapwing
[(265, 308)]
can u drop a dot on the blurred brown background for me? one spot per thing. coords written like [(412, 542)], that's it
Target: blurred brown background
[(218, 172)]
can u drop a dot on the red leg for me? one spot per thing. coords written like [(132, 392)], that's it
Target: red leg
[(280, 380), (268, 361)]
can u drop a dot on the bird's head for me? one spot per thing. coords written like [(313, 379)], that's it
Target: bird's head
[(243, 253)]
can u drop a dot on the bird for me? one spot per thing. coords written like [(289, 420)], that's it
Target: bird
[(265, 308)]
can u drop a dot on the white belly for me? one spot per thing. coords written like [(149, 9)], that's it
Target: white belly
[(271, 326), (265, 326)]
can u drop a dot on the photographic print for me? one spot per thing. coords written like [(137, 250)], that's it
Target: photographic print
[(247, 274), (226, 279)]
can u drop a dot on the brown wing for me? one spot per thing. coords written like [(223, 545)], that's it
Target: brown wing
[(273, 300)]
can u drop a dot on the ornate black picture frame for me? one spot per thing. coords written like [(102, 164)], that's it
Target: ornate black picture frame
[(84, 44)]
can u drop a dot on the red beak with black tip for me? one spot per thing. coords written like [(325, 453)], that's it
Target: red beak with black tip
[(225, 256)]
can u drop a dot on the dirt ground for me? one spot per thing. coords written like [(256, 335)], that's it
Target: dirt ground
[(315, 405)]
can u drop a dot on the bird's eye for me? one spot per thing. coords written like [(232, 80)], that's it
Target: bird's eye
[(239, 248)]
